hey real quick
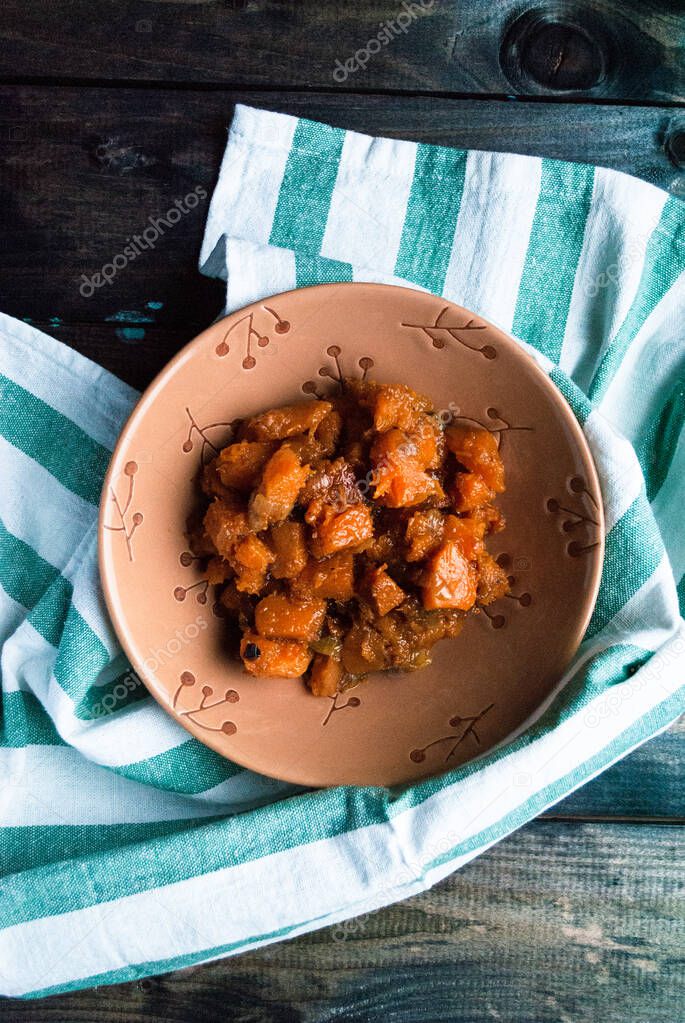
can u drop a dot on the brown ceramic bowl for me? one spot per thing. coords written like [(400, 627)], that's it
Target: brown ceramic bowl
[(392, 729)]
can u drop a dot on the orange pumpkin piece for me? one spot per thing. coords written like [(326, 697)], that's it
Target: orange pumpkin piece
[(224, 526), (289, 544), (391, 450), (450, 579), (274, 658), (240, 465), (328, 431), (325, 676), (212, 485), (334, 530), (281, 616), (477, 451), (399, 479), (281, 482), (470, 491), (253, 553), (279, 423), (491, 516), (406, 487), (467, 532), (397, 405), (250, 580), (251, 559), (332, 579), (426, 442), (423, 533), (381, 590)]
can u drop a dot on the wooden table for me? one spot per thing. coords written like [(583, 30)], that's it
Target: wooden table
[(110, 111)]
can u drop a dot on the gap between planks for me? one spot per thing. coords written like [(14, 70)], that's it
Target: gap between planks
[(285, 89)]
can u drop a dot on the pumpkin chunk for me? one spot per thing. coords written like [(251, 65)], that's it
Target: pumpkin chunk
[(225, 526), (467, 532), (450, 579), (477, 451), (281, 616), (407, 487), (240, 465), (275, 498), (332, 579), (326, 675), (399, 479), (469, 492), (334, 531), (279, 423), (290, 547), (426, 443), (392, 405), (381, 590), (423, 533), (251, 559), (397, 405), (253, 553), (274, 658)]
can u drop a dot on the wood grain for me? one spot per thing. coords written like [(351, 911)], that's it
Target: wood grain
[(83, 170), (556, 924), (618, 49)]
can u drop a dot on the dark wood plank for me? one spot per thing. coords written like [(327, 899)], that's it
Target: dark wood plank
[(556, 924), (82, 170), (618, 49)]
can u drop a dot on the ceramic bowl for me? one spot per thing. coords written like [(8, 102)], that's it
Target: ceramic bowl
[(394, 728)]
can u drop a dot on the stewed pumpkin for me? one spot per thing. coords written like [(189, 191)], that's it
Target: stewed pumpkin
[(348, 536)]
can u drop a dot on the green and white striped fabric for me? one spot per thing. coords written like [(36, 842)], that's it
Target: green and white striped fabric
[(126, 848)]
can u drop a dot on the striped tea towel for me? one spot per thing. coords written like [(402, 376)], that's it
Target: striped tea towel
[(126, 847)]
